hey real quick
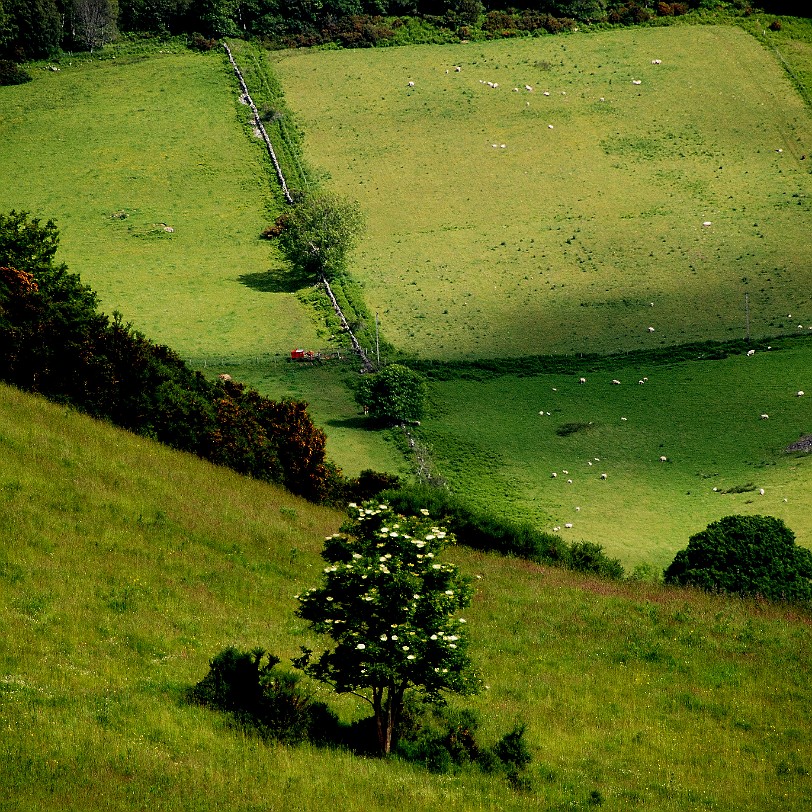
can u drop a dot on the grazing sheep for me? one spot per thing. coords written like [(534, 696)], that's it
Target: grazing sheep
[(663, 459), (553, 475), (589, 462), (546, 92), (641, 382), (502, 146), (637, 82), (761, 491), (603, 476), (568, 525), (765, 417), (750, 353), (707, 223), (582, 380), (556, 529), (569, 482), (616, 382), (577, 508), (457, 68), (564, 472), (224, 377), (411, 84), (515, 89), (550, 126), (530, 90), (651, 329), (800, 393), (624, 419), (800, 327), (656, 61)]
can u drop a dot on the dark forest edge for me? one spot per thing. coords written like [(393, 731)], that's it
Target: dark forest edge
[(42, 29)]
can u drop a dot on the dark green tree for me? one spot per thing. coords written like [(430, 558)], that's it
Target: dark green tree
[(745, 555), (319, 231), (34, 28), (396, 394), (390, 606)]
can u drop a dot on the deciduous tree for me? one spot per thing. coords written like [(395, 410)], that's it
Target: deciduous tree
[(391, 608)]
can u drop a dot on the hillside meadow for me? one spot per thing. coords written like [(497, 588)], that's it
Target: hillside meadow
[(498, 441), (124, 567), (116, 150), (504, 222)]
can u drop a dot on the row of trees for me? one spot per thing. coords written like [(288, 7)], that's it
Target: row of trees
[(33, 29)]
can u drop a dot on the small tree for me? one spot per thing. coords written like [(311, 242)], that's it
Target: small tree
[(319, 231), (396, 394), (389, 606), (94, 22), (747, 555)]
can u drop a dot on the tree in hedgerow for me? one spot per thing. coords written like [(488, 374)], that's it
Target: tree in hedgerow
[(319, 231), (391, 608), (746, 555), (396, 394)]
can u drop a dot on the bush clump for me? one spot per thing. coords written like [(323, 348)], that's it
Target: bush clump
[(12, 74), (745, 555)]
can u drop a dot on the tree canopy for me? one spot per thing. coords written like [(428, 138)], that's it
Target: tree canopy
[(746, 555), (396, 394), (391, 608), (319, 231)]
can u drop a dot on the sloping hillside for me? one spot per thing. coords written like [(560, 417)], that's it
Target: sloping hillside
[(124, 567)]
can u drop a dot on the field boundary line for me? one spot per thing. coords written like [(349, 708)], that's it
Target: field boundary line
[(368, 365)]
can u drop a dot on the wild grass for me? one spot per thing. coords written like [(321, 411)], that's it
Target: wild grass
[(593, 210), (124, 567), (499, 441)]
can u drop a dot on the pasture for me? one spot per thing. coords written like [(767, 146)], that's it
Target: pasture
[(499, 441), (116, 150), (634, 195), (124, 567)]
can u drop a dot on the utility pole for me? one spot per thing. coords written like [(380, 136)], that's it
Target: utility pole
[(747, 314)]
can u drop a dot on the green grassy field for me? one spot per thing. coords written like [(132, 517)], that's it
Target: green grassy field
[(490, 441), (124, 567), (593, 210), (161, 139), (156, 141)]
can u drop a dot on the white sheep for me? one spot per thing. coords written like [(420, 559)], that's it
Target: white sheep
[(800, 393), (549, 126), (582, 380), (765, 417), (553, 475), (615, 382), (761, 491), (564, 472), (651, 329), (411, 84), (603, 476), (656, 61), (577, 508), (663, 459), (556, 529), (457, 68), (624, 419), (641, 382), (750, 353), (530, 90), (568, 525), (569, 482), (637, 82), (546, 92)]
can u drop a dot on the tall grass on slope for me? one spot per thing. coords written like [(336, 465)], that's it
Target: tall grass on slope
[(125, 567)]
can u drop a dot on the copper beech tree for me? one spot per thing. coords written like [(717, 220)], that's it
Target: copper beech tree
[(391, 608)]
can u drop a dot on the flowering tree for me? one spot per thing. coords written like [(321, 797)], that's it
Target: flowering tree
[(391, 609)]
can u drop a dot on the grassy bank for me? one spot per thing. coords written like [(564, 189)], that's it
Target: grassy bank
[(124, 567)]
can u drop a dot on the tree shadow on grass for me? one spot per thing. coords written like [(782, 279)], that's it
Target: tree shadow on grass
[(361, 423), (276, 280)]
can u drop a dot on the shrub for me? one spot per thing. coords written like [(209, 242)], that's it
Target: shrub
[(197, 42), (587, 557), (745, 555), (395, 394), (775, 25), (262, 698), (12, 74)]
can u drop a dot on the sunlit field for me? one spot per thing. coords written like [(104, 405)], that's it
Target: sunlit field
[(503, 221)]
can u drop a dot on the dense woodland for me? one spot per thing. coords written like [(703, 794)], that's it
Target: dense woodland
[(36, 29)]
